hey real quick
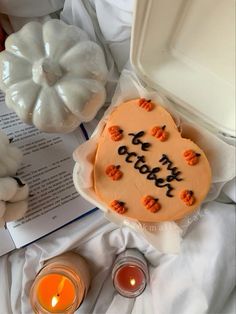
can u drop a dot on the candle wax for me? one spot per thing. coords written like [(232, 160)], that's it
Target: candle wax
[(56, 293), (130, 278)]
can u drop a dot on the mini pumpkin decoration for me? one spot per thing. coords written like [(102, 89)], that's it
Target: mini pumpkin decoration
[(146, 104), (116, 133), (53, 76), (151, 203), (13, 191), (114, 172), (191, 157), (159, 133), (118, 206), (187, 196)]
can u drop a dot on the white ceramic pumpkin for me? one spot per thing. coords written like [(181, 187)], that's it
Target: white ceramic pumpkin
[(13, 191), (53, 76)]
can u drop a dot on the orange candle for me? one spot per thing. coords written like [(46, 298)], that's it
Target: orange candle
[(61, 285)]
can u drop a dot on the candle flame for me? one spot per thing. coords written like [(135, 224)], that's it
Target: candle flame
[(54, 301), (132, 282), (55, 298)]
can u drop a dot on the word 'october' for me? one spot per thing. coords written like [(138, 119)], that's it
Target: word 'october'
[(143, 168)]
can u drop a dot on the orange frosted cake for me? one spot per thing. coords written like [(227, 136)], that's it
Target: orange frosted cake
[(144, 169)]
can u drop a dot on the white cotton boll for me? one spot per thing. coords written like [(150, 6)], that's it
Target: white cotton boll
[(14, 159), (10, 160), (21, 194), (13, 196), (8, 167), (15, 211), (3, 170), (2, 208), (10, 157), (3, 139), (8, 188)]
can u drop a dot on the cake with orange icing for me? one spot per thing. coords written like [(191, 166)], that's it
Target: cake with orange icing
[(144, 169)]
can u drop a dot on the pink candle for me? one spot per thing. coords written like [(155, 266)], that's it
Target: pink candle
[(130, 273)]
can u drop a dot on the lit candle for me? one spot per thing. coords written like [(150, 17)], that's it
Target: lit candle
[(130, 273), (61, 285)]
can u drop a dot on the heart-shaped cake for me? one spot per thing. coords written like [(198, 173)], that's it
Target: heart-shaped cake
[(144, 169)]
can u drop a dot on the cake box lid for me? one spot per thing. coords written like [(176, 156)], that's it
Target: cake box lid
[(186, 49)]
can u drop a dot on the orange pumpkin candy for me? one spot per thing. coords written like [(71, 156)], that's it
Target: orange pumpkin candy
[(159, 133), (191, 157), (187, 196), (114, 172), (116, 133), (145, 104), (151, 203), (118, 206)]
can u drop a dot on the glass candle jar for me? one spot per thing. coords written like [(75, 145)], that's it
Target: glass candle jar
[(61, 285), (130, 273)]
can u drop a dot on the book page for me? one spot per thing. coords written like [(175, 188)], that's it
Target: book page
[(47, 167), (6, 243)]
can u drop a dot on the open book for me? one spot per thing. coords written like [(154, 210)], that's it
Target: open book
[(47, 167)]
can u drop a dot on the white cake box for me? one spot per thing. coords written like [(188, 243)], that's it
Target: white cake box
[(186, 50), (182, 79)]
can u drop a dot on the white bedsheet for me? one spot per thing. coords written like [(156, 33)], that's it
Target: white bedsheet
[(201, 279), (198, 280)]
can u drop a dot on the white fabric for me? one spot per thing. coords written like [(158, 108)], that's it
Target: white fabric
[(230, 189), (199, 280), (30, 8), (14, 14), (12, 24)]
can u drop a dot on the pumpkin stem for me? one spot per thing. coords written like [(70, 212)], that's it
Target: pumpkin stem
[(46, 72)]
